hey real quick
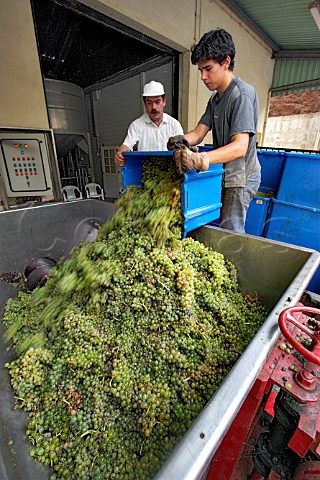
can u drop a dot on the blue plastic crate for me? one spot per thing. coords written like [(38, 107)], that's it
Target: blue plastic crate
[(272, 164), (257, 215), (298, 225), (200, 191), (300, 181), (314, 285), (295, 224)]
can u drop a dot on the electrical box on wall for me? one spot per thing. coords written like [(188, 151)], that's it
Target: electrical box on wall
[(24, 164)]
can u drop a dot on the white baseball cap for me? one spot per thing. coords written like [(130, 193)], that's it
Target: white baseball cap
[(153, 89)]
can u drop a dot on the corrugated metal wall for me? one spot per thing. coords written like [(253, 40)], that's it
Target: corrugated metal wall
[(115, 107), (295, 75)]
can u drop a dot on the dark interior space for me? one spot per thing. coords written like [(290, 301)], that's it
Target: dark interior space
[(81, 46)]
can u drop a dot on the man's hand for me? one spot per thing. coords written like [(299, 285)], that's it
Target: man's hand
[(187, 160), (119, 159), (177, 142)]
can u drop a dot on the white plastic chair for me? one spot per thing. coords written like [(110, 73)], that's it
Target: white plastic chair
[(71, 192), (93, 190)]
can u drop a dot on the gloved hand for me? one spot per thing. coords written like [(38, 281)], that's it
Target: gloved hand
[(187, 160), (177, 142)]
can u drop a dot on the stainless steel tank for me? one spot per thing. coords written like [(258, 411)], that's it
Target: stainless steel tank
[(67, 114)]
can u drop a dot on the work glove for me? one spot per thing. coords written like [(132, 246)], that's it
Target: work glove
[(186, 160), (177, 142)]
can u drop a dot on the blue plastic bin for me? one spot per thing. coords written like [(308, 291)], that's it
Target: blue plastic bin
[(257, 215), (200, 191), (300, 181), (272, 164), (298, 225), (314, 285), (295, 224)]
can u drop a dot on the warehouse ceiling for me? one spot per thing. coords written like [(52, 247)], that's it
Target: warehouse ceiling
[(287, 25), (81, 46)]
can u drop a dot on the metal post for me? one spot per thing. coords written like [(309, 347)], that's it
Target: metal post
[(3, 193)]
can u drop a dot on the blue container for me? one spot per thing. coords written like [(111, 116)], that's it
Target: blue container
[(295, 224), (257, 215), (200, 191), (298, 225), (300, 182), (272, 164), (314, 285)]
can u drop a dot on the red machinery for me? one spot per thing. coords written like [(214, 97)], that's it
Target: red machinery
[(276, 434)]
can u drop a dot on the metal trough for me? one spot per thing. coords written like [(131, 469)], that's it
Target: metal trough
[(277, 272)]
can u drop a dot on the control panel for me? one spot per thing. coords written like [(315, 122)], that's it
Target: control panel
[(24, 165)]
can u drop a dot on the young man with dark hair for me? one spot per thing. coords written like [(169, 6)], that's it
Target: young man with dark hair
[(232, 115)]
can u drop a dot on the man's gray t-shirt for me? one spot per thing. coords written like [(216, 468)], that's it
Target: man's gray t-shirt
[(236, 111)]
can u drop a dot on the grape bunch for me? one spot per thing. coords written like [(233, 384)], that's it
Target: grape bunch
[(121, 349)]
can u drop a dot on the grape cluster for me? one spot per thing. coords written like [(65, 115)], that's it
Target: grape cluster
[(121, 349), (13, 278)]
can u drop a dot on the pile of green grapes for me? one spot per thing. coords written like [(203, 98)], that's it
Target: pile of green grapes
[(128, 340)]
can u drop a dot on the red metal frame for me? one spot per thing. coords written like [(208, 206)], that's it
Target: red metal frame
[(287, 370)]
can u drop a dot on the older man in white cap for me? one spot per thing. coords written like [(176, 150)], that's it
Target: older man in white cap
[(151, 131)]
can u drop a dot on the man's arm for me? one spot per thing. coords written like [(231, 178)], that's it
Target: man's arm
[(237, 148), (132, 137), (196, 135), (191, 138), (187, 160)]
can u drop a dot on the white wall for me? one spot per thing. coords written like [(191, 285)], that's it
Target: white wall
[(294, 131), (22, 100)]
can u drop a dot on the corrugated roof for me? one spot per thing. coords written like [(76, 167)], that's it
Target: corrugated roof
[(288, 23), (290, 30)]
